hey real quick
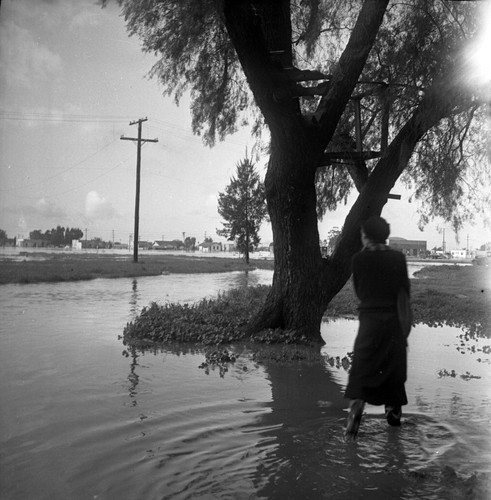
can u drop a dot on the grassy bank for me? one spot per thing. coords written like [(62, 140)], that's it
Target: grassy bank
[(450, 294), (453, 295), (36, 268)]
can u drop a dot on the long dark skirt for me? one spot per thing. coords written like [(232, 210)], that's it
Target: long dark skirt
[(379, 366)]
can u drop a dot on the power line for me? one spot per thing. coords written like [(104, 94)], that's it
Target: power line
[(79, 118), (64, 117), (63, 171), (85, 183)]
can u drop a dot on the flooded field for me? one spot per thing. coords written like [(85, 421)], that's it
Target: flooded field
[(83, 419)]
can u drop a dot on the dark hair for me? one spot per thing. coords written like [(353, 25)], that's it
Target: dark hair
[(376, 229)]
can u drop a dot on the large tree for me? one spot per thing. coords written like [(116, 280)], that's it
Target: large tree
[(243, 208), (354, 94)]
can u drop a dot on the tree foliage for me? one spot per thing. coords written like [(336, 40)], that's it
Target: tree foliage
[(242, 205), (332, 239), (189, 242), (419, 44), (58, 236)]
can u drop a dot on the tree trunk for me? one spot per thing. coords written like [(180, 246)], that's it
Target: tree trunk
[(293, 303)]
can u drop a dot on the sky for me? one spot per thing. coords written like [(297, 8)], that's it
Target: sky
[(71, 81)]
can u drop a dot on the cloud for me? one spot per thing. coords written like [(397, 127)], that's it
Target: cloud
[(97, 207), (49, 210), (86, 18), (43, 208), (23, 60)]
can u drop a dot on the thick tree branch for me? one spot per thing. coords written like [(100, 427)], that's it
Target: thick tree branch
[(443, 99), (261, 35), (350, 66)]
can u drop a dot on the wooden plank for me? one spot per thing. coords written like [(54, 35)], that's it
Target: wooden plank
[(359, 144), (306, 75), (350, 155)]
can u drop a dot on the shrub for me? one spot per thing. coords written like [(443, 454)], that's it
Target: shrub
[(209, 322)]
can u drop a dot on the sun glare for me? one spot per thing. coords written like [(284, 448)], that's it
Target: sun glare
[(479, 54)]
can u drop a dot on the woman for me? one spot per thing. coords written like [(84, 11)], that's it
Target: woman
[(378, 372)]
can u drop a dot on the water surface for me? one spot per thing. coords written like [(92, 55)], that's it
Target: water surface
[(81, 420)]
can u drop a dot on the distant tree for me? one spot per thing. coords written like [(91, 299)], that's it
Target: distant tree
[(332, 239), (243, 206), (189, 243), (72, 234), (208, 240), (57, 236), (37, 234)]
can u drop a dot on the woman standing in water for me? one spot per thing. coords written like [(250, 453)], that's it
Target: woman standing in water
[(378, 372)]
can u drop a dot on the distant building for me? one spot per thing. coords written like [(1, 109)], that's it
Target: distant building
[(210, 246), (120, 246), (458, 254), (96, 243), (145, 245), (229, 247), (412, 248), (9, 242), (167, 245), (25, 243)]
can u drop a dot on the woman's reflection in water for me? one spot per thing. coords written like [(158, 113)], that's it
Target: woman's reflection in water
[(303, 451)]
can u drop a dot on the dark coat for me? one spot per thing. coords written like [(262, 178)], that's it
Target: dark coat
[(379, 364)]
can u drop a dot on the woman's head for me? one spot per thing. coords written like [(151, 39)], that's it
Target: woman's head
[(376, 229)]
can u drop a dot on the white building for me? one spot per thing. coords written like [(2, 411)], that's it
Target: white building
[(210, 246), (458, 254)]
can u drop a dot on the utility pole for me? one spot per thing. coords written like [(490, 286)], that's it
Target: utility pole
[(138, 163)]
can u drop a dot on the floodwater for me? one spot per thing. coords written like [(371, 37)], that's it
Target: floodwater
[(81, 420)]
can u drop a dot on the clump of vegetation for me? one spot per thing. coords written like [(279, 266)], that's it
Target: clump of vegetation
[(453, 374), (450, 295), (209, 322), (345, 362), (218, 358)]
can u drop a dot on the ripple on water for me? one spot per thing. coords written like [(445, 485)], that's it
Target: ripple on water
[(185, 452)]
